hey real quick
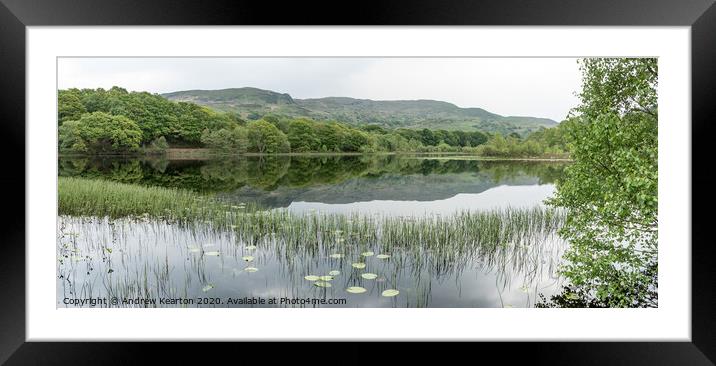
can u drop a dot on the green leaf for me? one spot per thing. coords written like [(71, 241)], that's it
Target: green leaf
[(369, 276), (356, 290), (390, 293)]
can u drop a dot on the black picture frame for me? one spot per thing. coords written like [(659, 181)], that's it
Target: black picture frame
[(700, 15)]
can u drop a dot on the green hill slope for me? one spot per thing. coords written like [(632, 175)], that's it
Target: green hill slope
[(253, 103)]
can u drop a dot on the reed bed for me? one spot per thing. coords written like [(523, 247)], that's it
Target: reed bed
[(452, 235), (507, 242)]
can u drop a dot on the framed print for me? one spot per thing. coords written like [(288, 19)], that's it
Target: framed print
[(434, 173)]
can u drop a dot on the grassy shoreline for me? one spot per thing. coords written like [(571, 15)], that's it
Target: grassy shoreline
[(207, 154), (100, 198)]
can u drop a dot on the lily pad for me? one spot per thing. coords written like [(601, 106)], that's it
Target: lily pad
[(312, 278), (336, 255), (356, 290), (525, 289), (382, 256), (358, 265), (369, 276), (367, 254), (207, 288), (326, 278), (251, 269), (215, 254), (194, 250), (334, 273), (572, 296), (247, 258), (322, 284), (250, 247), (390, 292)]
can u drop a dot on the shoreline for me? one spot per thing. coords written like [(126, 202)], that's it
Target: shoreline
[(207, 154)]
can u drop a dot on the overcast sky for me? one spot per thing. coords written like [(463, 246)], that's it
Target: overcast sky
[(538, 87)]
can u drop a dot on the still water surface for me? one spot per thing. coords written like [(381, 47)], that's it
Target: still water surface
[(150, 259)]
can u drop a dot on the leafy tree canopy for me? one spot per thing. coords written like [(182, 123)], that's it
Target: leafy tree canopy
[(100, 132), (611, 189)]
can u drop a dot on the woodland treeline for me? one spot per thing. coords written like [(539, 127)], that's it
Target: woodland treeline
[(115, 121)]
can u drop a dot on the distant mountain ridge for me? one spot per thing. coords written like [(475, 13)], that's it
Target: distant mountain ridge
[(254, 103)]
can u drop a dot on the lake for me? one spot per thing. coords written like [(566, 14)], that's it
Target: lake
[(421, 197)]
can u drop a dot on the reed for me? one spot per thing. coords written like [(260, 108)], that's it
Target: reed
[(453, 235)]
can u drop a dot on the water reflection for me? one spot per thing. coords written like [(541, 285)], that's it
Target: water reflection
[(145, 259), (405, 206), (300, 181)]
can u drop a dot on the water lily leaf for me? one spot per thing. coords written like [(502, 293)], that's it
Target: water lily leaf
[(322, 284), (367, 254), (251, 247), (390, 293), (358, 265), (207, 288), (382, 256), (194, 250), (326, 278), (336, 255), (312, 278), (215, 254), (356, 290), (334, 273), (251, 269), (247, 258), (572, 296), (369, 276), (525, 289)]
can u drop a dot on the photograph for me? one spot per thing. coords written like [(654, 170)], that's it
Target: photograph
[(497, 174), (357, 182)]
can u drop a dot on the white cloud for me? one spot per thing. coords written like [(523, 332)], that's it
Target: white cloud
[(540, 87)]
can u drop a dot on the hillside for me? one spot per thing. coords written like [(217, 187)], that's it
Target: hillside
[(253, 103)]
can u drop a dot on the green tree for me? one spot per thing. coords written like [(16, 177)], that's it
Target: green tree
[(180, 123), (302, 136), (610, 191), (266, 138), (329, 136), (427, 137), (69, 106), (100, 133), (229, 140), (158, 146), (476, 138), (353, 140)]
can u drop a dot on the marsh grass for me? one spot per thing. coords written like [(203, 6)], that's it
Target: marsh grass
[(350, 233), (504, 241)]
